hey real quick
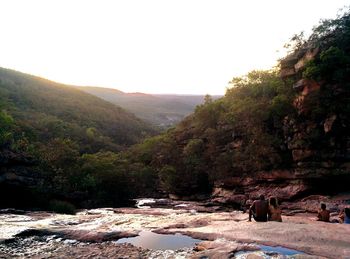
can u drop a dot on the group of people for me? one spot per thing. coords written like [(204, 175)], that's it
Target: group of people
[(268, 210), (324, 214), (263, 210)]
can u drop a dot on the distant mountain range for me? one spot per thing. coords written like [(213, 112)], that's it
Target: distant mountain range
[(160, 110)]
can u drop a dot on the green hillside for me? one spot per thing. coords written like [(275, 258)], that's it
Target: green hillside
[(160, 110), (48, 135), (49, 110)]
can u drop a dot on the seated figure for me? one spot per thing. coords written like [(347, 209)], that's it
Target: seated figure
[(274, 213), (345, 216), (259, 210), (323, 213)]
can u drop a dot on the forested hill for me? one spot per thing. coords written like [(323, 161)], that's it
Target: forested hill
[(160, 110), (51, 135), (283, 132), (48, 110)]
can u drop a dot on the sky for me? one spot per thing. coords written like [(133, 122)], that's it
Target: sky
[(152, 46)]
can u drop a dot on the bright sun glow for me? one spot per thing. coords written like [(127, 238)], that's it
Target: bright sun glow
[(154, 46)]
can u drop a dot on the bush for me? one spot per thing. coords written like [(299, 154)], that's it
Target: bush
[(63, 207)]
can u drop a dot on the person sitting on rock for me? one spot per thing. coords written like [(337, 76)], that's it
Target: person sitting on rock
[(323, 214), (274, 213), (345, 216), (259, 210)]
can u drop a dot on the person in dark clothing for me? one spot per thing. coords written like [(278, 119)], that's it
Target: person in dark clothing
[(323, 214), (259, 210)]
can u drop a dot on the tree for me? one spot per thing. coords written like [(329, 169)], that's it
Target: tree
[(6, 128)]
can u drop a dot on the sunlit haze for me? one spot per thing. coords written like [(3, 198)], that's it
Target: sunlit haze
[(155, 46)]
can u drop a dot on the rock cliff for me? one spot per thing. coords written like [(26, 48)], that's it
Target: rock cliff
[(318, 143)]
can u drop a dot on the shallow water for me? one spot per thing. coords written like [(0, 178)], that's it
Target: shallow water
[(268, 252), (150, 240), (280, 250)]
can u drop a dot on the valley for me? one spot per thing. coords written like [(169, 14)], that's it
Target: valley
[(161, 110), (77, 162)]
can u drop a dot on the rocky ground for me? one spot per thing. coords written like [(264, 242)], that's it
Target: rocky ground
[(225, 234)]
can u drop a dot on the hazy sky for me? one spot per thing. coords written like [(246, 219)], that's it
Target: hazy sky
[(152, 46)]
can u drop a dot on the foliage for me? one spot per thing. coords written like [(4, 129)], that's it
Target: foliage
[(332, 66), (170, 179), (296, 43), (50, 110), (57, 127), (6, 124), (63, 207), (201, 149)]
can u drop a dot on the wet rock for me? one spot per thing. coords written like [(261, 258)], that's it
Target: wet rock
[(96, 236), (221, 248), (79, 235), (36, 232), (12, 211), (51, 235), (254, 256), (55, 248), (170, 254)]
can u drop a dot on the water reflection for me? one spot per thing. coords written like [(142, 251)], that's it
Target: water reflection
[(150, 240), (280, 250)]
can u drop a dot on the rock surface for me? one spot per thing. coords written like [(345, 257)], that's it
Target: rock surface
[(226, 233)]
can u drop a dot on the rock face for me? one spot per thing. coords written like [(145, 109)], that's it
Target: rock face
[(319, 147), (294, 63)]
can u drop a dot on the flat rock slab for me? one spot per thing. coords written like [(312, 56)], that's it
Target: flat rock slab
[(301, 232)]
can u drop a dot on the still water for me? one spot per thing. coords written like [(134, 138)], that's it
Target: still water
[(150, 240), (280, 250)]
